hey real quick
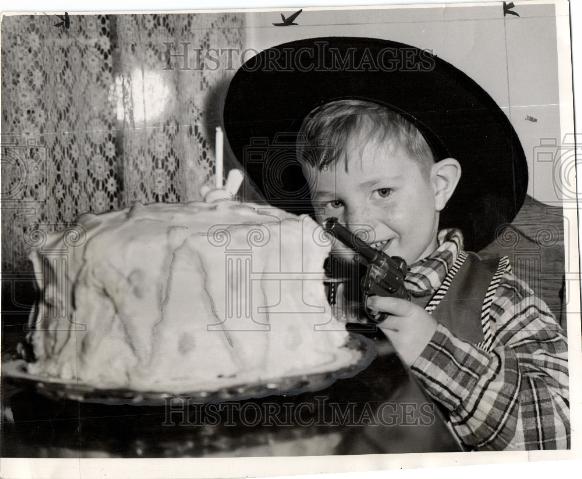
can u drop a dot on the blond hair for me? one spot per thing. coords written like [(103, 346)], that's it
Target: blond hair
[(326, 131)]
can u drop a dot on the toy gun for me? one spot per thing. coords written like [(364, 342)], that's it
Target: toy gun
[(384, 274)]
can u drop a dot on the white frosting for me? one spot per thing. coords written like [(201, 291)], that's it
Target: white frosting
[(179, 297)]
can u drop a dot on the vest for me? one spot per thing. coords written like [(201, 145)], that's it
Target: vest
[(464, 305)]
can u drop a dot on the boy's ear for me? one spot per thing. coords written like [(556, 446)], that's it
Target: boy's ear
[(445, 176)]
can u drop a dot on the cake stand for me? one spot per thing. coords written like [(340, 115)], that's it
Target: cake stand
[(16, 373)]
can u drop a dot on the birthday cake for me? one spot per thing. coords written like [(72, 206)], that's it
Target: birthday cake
[(182, 297)]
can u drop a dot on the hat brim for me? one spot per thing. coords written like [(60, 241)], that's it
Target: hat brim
[(273, 92)]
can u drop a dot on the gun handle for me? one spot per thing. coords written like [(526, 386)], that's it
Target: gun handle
[(371, 285)]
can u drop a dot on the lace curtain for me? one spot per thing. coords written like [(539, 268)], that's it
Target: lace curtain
[(98, 115)]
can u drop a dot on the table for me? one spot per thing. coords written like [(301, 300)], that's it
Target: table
[(380, 410)]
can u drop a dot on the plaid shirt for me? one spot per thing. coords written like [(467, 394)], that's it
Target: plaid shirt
[(512, 394)]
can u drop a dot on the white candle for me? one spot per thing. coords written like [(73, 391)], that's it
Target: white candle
[(219, 164)]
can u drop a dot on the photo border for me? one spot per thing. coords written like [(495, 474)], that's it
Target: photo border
[(259, 467)]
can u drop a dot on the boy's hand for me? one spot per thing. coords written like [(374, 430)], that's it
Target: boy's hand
[(409, 327)]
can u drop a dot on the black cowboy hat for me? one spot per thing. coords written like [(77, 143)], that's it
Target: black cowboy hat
[(273, 92)]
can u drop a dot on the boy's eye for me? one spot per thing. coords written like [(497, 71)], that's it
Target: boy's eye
[(384, 192), (335, 204)]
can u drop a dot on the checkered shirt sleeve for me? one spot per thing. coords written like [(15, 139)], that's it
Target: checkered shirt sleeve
[(513, 395)]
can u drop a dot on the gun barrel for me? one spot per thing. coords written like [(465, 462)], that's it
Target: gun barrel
[(333, 227)]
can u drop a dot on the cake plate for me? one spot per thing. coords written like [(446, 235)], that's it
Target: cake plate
[(16, 373)]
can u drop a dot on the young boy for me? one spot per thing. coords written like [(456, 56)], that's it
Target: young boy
[(510, 391), (419, 159)]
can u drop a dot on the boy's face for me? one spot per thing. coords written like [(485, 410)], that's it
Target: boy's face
[(385, 194)]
